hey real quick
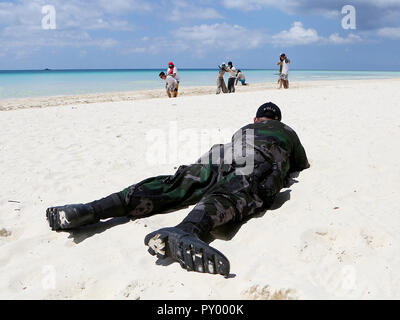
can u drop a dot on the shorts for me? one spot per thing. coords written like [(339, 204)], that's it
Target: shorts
[(174, 89), (242, 81), (284, 77)]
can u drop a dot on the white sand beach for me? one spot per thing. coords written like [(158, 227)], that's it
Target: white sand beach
[(52, 101), (333, 235)]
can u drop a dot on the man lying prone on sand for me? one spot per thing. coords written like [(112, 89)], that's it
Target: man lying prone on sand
[(223, 187)]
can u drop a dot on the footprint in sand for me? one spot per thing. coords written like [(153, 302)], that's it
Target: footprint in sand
[(258, 292), (4, 238), (346, 244), (333, 255), (5, 233), (376, 239), (134, 290)]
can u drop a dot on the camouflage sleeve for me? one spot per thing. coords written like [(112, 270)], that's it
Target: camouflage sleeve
[(298, 157)]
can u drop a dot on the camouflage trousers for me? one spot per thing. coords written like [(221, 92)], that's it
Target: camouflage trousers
[(216, 191)]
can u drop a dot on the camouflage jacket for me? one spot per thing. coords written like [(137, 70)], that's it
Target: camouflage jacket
[(276, 142)]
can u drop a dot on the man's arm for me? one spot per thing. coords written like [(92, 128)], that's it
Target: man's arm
[(231, 71), (298, 158), (174, 72)]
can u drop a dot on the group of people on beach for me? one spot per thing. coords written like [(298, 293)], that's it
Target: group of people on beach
[(234, 77), (172, 79)]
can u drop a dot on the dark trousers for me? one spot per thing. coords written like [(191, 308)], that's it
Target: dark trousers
[(231, 85), (219, 194)]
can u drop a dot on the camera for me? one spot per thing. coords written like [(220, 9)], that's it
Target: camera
[(222, 67)]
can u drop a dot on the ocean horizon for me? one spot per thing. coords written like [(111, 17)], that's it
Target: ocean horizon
[(42, 83)]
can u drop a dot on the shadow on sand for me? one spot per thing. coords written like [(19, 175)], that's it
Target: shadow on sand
[(226, 232), (83, 233)]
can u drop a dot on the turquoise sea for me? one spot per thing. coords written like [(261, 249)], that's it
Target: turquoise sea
[(23, 84)]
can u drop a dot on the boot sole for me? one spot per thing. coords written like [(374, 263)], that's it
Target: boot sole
[(191, 253), (53, 218)]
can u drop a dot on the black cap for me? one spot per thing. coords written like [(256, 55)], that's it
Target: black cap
[(269, 110)]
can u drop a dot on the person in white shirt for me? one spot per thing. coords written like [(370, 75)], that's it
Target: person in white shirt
[(240, 77), (173, 71), (171, 85), (232, 77), (284, 75)]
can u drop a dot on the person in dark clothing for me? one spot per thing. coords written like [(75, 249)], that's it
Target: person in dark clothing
[(223, 186), (232, 77)]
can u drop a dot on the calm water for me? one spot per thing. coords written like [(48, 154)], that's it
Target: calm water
[(22, 84)]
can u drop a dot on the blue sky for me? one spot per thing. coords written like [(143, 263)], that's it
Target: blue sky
[(199, 34)]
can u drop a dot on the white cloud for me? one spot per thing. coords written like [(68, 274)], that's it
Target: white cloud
[(88, 14), (124, 6), (155, 45), (296, 35), (337, 39), (20, 21), (222, 36), (184, 10), (193, 13), (288, 6), (19, 43), (21, 32), (371, 14), (202, 39), (249, 5), (20, 27), (105, 43)]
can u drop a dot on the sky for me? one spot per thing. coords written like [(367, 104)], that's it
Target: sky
[(131, 34)]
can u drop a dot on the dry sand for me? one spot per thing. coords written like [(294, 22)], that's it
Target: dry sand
[(52, 101), (334, 234)]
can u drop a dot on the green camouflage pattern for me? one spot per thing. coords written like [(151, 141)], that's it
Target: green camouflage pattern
[(215, 187)]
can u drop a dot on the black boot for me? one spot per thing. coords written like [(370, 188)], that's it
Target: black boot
[(109, 207), (78, 215), (183, 244), (70, 216), (197, 223)]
